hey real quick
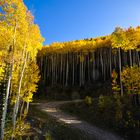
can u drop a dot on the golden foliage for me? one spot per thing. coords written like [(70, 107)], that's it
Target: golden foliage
[(131, 79)]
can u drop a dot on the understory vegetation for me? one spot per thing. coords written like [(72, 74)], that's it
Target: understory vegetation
[(112, 113)]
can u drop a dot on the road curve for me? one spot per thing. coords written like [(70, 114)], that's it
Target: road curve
[(94, 133)]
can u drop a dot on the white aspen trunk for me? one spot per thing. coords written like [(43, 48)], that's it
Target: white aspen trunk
[(55, 68), (77, 68), (16, 106), (101, 60), (105, 68), (82, 72), (138, 59), (6, 103), (4, 85), (28, 103), (134, 57), (61, 76), (93, 67), (8, 86), (88, 70), (45, 68), (115, 60), (41, 63), (64, 67), (120, 69), (110, 62), (48, 71), (49, 74), (57, 58), (52, 70), (73, 68), (21, 110), (98, 61), (130, 57), (84, 69), (67, 71)]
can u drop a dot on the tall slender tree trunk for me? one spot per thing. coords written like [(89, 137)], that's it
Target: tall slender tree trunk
[(138, 59), (120, 69), (57, 58), (27, 107), (61, 76), (9, 84), (6, 102), (45, 68), (88, 67), (102, 65), (82, 71), (21, 110), (80, 78), (16, 106), (130, 57), (110, 62), (73, 69), (41, 64), (52, 70), (67, 69), (93, 66), (64, 65)]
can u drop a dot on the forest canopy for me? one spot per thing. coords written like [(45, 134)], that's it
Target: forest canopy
[(84, 61)]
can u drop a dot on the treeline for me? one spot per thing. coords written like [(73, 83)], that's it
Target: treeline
[(20, 40), (82, 62)]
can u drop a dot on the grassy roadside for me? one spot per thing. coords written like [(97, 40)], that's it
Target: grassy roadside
[(57, 130), (83, 112), (104, 119)]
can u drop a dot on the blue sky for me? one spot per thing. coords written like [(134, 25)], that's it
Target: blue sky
[(65, 20)]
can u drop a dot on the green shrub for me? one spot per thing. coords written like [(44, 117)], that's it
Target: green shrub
[(48, 136), (88, 100), (105, 103)]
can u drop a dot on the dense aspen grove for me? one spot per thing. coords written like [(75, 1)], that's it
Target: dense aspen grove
[(82, 62), (20, 40)]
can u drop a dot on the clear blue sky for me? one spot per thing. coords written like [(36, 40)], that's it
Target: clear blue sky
[(65, 20)]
